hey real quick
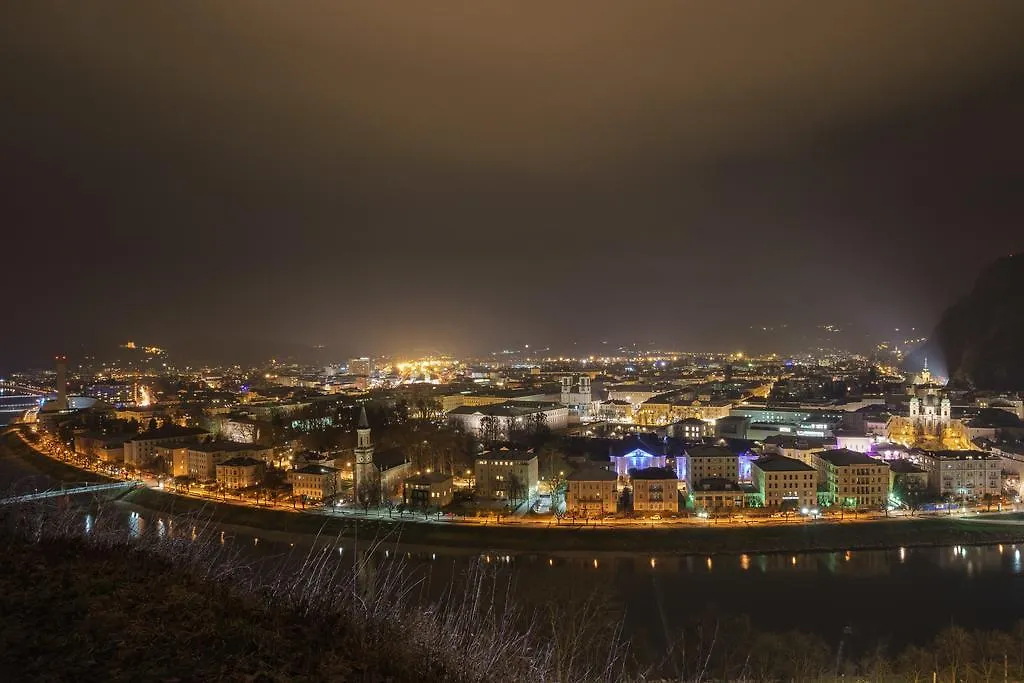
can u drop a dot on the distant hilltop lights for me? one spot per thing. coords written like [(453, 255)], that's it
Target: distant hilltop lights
[(152, 350)]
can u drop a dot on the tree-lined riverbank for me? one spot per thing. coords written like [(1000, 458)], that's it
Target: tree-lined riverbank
[(521, 538), (525, 539)]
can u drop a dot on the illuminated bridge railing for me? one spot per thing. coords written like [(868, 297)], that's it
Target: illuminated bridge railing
[(70, 491)]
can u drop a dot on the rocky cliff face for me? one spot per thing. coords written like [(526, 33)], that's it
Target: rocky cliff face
[(981, 337)]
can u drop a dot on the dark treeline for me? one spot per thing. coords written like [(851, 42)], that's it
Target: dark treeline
[(730, 649)]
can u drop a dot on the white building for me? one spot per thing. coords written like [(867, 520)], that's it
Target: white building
[(931, 412), (501, 418), (964, 474), (577, 395), (140, 450)]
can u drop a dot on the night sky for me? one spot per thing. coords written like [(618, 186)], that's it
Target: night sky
[(397, 177)]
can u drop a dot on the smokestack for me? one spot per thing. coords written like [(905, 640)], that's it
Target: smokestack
[(62, 382)]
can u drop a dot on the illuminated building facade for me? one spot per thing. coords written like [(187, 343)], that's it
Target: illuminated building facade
[(428, 490), (690, 429), (315, 483), (851, 479), (785, 483), (710, 462), (591, 490), (963, 474), (577, 395), (361, 367), (655, 489), (637, 452), (498, 472), (240, 473), (140, 450)]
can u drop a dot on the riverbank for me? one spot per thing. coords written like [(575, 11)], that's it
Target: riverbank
[(413, 536), (18, 459), (96, 606), (501, 539)]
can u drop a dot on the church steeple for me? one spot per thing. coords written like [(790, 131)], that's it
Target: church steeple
[(363, 431), (363, 451)]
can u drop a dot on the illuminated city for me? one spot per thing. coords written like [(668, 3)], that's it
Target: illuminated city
[(470, 342)]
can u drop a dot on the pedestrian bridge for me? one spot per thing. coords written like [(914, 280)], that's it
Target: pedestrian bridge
[(72, 490)]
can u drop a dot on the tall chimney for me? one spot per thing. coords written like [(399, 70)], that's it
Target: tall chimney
[(62, 382)]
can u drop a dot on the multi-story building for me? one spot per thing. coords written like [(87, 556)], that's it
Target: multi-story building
[(785, 483), (140, 450), (853, 480), (506, 473), (690, 429), (964, 474), (674, 406), (199, 460), (577, 395), (591, 490), (710, 462), (240, 473), (428, 490), (315, 483), (494, 422), (636, 452), (716, 494), (905, 476), (800, 448), (633, 394), (105, 447), (361, 367), (655, 489)]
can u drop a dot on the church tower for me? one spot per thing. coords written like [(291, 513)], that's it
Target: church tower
[(364, 451)]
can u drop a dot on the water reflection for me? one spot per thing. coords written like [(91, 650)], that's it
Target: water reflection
[(136, 525), (764, 586)]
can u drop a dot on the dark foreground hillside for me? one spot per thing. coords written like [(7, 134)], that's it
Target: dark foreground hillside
[(72, 612), (165, 608)]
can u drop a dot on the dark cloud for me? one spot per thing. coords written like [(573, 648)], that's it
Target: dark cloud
[(378, 176)]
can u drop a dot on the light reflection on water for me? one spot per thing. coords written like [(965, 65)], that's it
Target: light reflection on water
[(764, 586)]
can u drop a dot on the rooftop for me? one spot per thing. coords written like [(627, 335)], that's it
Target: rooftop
[(225, 447), (646, 442), (240, 462), (428, 478), (779, 463), (652, 473), (592, 474), (844, 457), (709, 452), (508, 454), (802, 443), (959, 455), (316, 469), (904, 467)]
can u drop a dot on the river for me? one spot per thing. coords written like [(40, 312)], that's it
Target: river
[(13, 405), (895, 597)]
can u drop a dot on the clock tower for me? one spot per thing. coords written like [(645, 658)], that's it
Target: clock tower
[(364, 451)]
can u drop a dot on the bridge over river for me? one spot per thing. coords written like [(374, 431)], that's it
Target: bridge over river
[(73, 490)]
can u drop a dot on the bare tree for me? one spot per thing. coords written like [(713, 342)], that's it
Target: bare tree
[(368, 491)]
